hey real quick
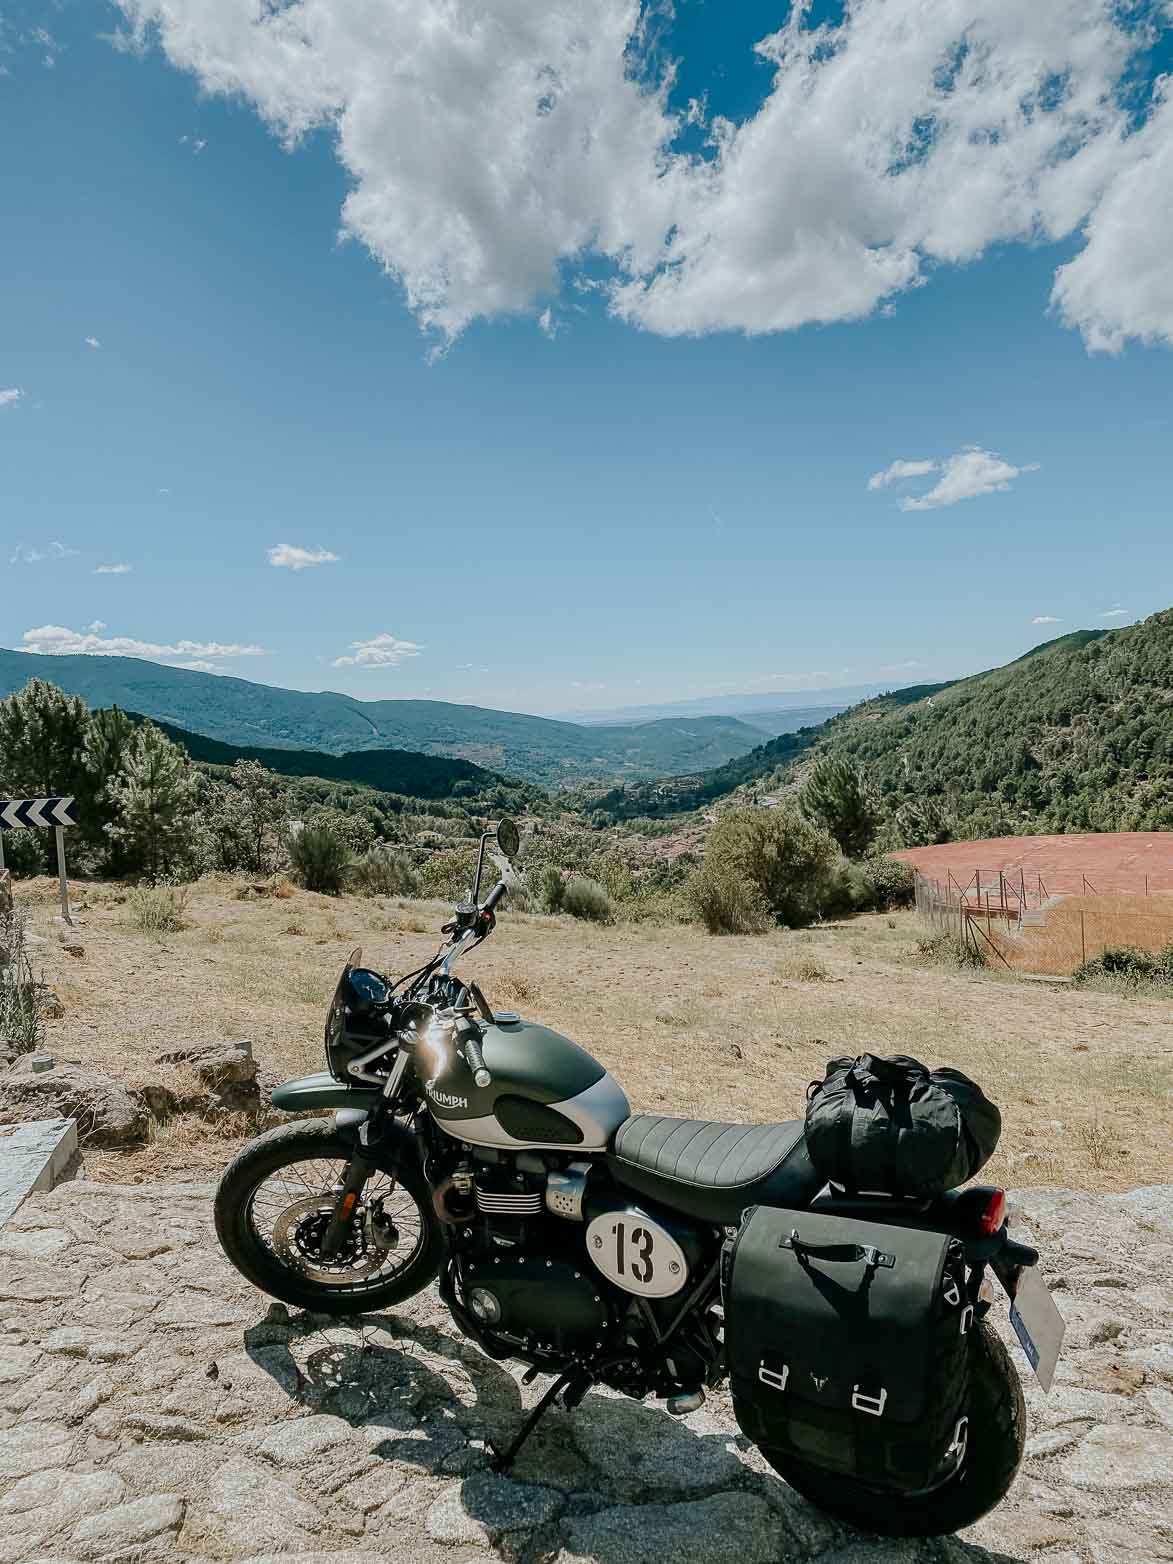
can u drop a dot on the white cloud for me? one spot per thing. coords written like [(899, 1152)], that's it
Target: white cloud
[(1116, 613), (56, 640), (1120, 285), (965, 475), (92, 342), (98, 624), (37, 553), (10, 397), (294, 558), (201, 665), (488, 147), (112, 570), (548, 326), (1046, 619), (382, 651), (898, 470)]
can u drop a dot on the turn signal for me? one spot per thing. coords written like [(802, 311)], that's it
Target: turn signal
[(994, 1214)]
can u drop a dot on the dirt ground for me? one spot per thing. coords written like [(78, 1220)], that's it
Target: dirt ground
[(691, 1025)]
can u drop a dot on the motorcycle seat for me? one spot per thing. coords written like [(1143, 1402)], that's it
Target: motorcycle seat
[(713, 1171)]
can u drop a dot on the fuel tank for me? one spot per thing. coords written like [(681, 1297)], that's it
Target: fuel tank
[(546, 1091)]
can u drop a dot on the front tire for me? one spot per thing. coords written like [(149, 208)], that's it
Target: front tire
[(997, 1436), (271, 1205)]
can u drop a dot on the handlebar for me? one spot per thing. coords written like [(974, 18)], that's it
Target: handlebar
[(495, 896), (469, 1035)]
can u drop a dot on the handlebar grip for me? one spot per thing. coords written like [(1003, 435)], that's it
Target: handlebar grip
[(474, 1057), (495, 896)]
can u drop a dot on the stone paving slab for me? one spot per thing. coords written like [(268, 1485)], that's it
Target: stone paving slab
[(155, 1407), (33, 1156)]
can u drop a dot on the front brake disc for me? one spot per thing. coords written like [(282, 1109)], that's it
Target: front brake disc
[(298, 1234)]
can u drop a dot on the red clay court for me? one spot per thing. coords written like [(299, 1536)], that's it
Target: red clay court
[(1125, 862)]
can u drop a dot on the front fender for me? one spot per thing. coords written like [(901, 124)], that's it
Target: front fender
[(322, 1091)]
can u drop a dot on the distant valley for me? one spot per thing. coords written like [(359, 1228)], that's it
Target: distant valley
[(541, 750)]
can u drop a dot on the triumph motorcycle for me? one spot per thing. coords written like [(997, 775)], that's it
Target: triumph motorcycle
[(585, 1241)]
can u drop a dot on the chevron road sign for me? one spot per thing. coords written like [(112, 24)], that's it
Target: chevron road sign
[(22, 814), (18, 812)]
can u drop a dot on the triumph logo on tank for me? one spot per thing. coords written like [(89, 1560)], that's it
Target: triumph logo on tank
[(447, 1099)]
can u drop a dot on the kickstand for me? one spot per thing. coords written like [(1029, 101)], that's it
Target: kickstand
[(575, 1386)]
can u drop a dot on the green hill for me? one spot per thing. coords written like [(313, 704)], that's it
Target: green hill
[(1075, 735), (398, 771), (237, 712)]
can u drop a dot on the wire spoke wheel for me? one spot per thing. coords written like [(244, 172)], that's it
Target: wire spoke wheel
[(291, 1210), (276, 1203)]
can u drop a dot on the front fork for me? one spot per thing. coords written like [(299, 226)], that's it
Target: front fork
[(360, 1167)]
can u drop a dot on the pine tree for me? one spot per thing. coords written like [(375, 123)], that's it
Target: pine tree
[(835, 796), (155, 800), (109, 740), (250, 820), (42, 749)]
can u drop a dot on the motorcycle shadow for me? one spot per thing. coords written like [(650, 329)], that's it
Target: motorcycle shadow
[(429, 1404)]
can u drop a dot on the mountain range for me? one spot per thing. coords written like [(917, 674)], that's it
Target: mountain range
[(238, 712)]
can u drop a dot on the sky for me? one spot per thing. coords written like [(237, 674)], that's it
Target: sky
[(565, 356)]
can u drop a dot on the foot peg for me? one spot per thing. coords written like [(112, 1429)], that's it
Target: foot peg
[(682, 1405)]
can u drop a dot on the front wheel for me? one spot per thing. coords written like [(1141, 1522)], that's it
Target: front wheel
[(275, 1201), (997, 1435)]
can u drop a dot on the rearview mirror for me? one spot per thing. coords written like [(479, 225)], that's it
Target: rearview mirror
[(508, 837)]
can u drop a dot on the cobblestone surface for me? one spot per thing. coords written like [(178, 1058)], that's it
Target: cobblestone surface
[(153, 1406)]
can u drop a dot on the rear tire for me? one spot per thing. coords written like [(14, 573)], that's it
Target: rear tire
[(997, 1436), (310, 1153)]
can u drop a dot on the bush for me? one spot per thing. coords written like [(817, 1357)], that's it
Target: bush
[(946, 950), (385, 872), (835, 796), (20, 1016), (545, 887), (319, 858), (450, 873), (583, 898), (802, 969), (881, 885), (725, 902), (1127, 967), (158, 909), (793, 864)]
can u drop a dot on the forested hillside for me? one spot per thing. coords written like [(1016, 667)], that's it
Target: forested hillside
[(1077, 735), (238, 712)]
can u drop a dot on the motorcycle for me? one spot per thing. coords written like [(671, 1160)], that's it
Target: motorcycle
[(490, 1152)]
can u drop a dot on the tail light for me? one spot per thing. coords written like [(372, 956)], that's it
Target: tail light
[(993, 1214)]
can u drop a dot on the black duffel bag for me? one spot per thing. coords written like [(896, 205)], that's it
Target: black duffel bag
[(849, 1345), (895, 1127)]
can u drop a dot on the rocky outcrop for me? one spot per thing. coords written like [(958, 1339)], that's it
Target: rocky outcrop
[(226, 1071), (155, 1407), (39, 1086)]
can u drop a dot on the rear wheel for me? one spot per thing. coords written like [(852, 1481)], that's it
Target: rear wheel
[(275, 1202), (997, 1435)]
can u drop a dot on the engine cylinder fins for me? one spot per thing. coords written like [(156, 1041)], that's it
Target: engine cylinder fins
[(494, 1202), (566, 1191)]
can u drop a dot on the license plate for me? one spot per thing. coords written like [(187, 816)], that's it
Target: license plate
[(1037, 1324)]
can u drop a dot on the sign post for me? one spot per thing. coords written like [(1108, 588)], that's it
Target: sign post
[(23, 814)]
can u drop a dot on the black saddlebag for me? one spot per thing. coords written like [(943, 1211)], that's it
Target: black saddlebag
[(895, 1127), (848, 1344)]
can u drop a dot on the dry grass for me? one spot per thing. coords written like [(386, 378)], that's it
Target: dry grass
[(1080, 927), (691, 1025)]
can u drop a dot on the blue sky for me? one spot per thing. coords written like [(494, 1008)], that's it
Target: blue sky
[(606, 434)]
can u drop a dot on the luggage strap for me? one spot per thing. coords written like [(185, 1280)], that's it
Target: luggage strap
[(868, 1253)]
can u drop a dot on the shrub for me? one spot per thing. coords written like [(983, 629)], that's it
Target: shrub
[(319, 858), (946, 950), (158, 909), (725, 902), (449, 874), (793, 864), (385, 872), (1124, 966), (583, 898), (881, 884), (20, 1016), (545, 887), (802, 969)]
